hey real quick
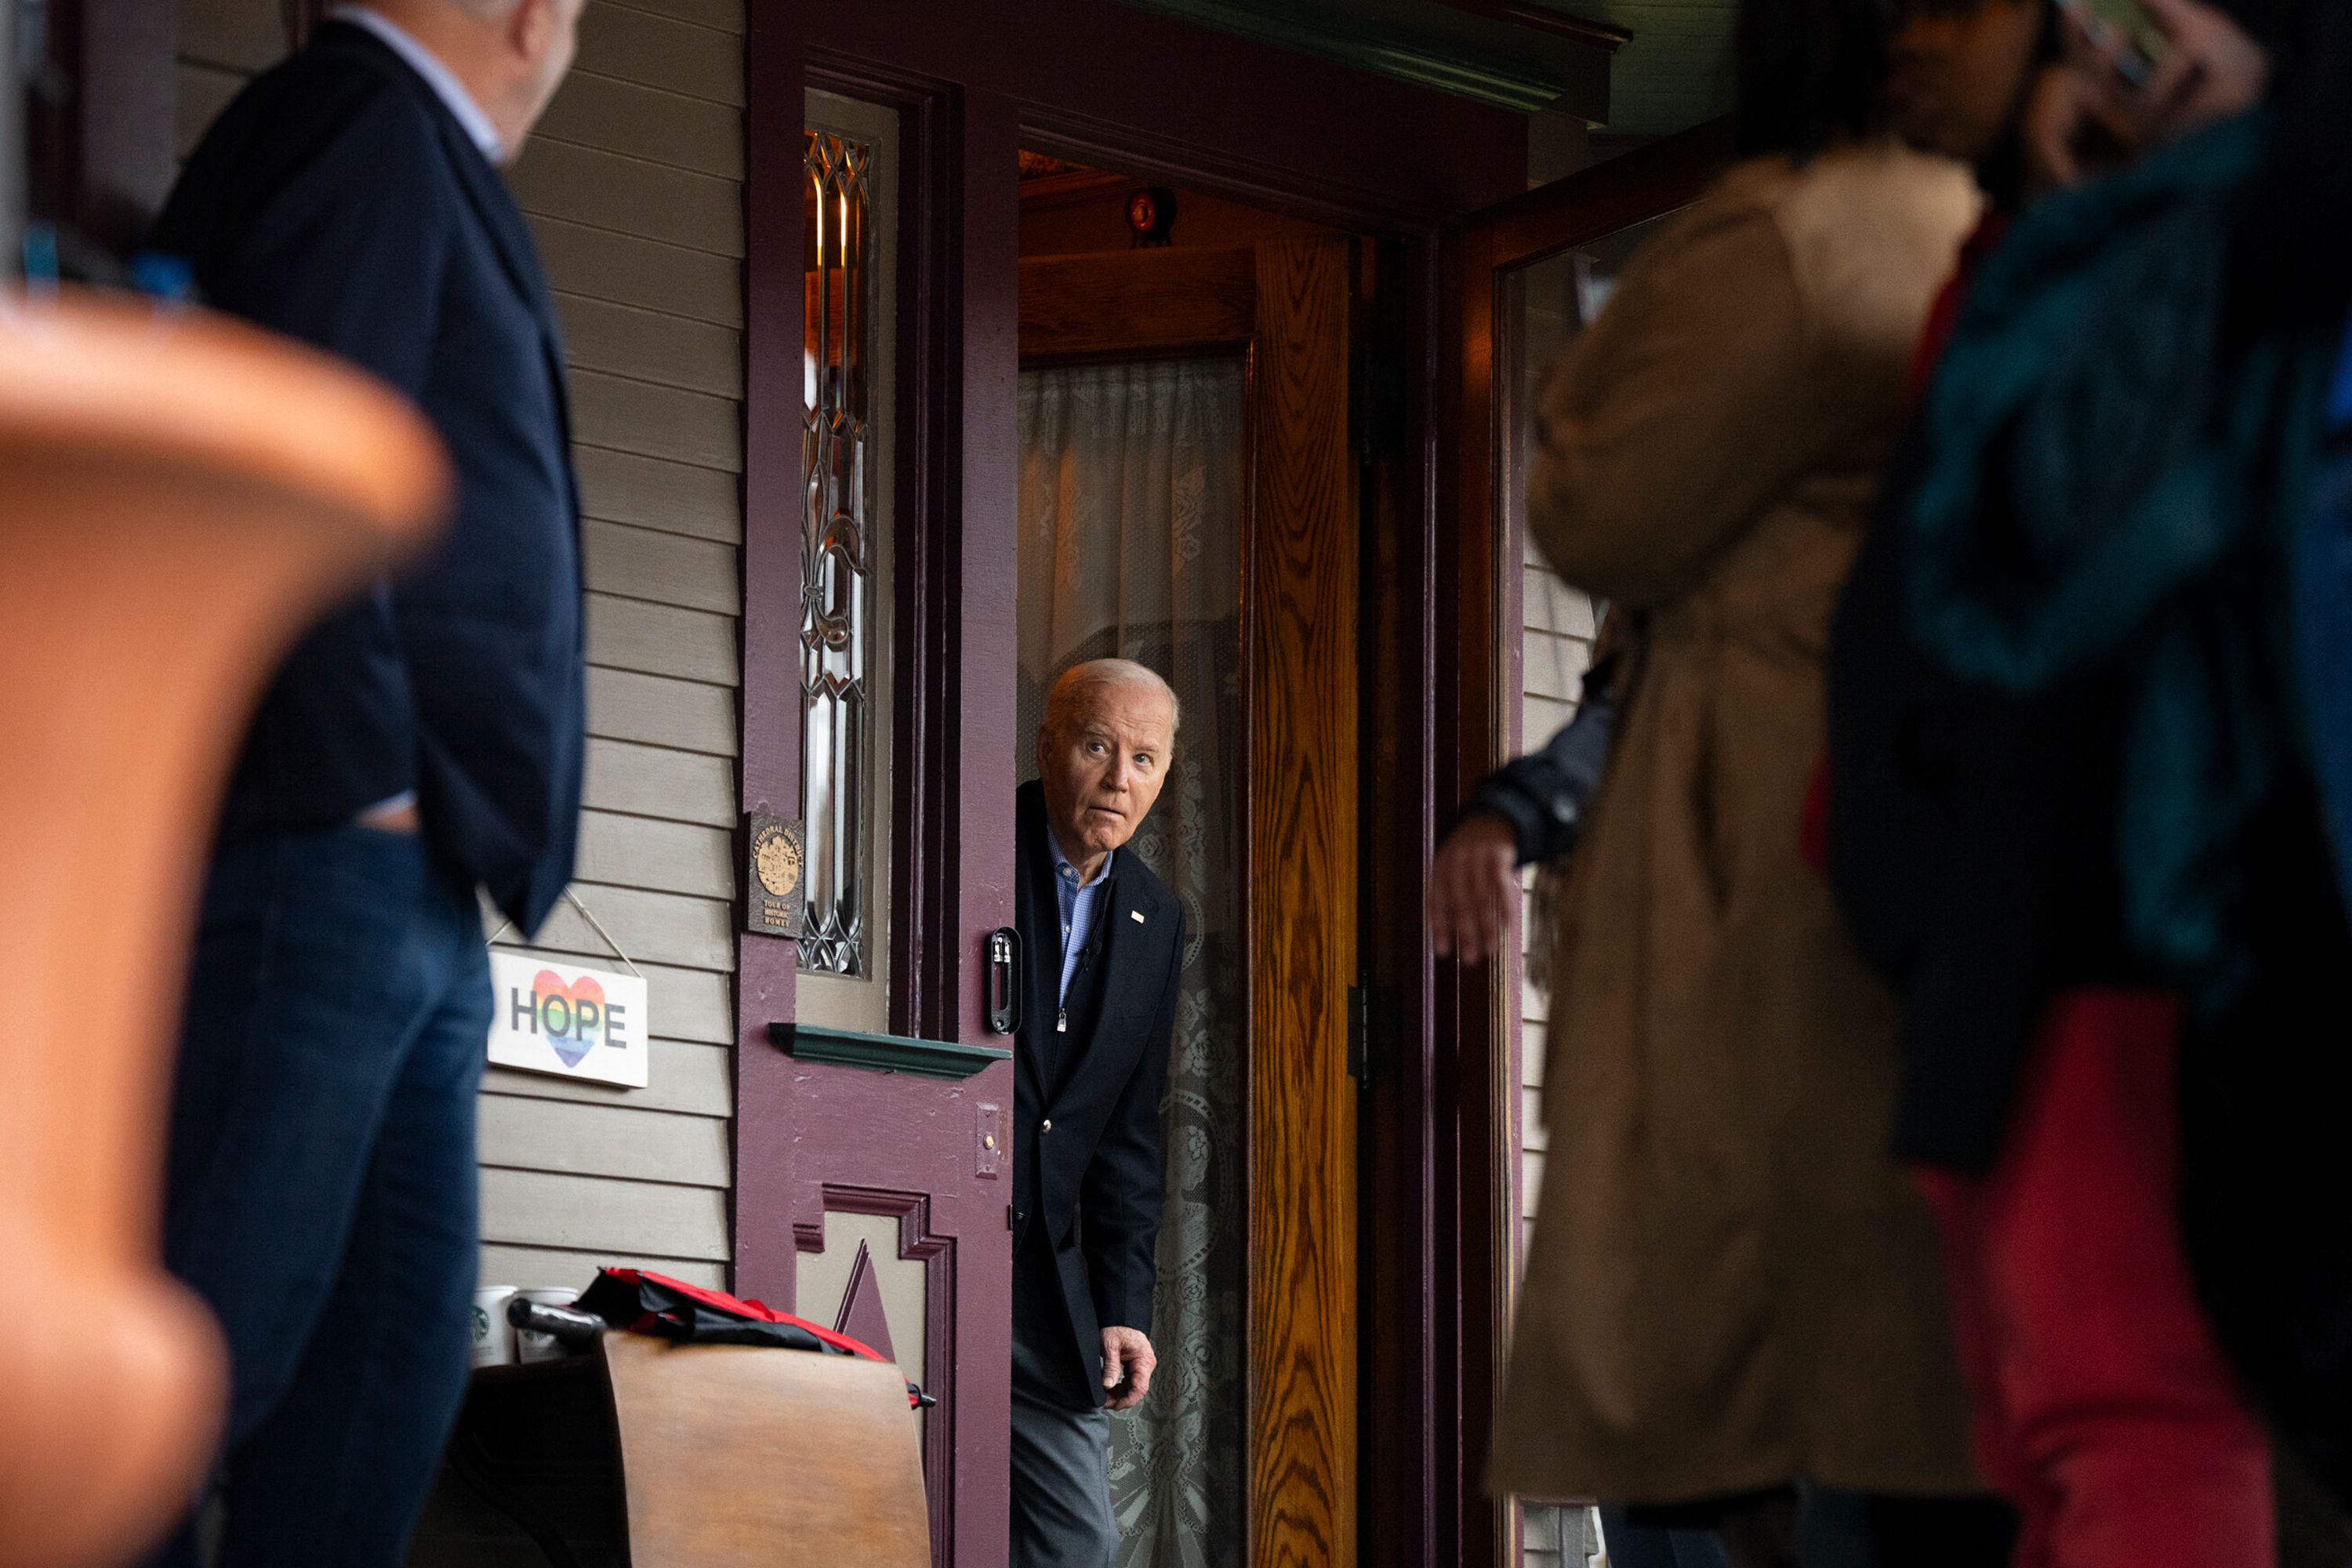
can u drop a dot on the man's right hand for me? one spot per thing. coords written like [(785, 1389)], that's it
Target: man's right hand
[(1473, 883)]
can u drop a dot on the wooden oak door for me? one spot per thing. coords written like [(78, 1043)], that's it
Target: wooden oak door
[(1287, 306)]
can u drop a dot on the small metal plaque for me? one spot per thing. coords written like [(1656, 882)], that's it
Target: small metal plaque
[(775, 859), (990, 1140)]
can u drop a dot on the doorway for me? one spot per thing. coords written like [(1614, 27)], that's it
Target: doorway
[(1188, 500)]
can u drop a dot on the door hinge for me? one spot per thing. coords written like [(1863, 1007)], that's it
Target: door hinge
[(1371, 1033)]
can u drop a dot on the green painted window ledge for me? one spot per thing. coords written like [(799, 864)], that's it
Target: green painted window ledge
[(885, 1053)]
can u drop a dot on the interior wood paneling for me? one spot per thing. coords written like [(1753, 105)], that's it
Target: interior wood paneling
[(1135, 304), (1302, 603), (625, 706)]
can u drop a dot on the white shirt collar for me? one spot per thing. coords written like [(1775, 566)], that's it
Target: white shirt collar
[(426, 64)]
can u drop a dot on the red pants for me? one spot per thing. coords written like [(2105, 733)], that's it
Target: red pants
[(2103, 1408)]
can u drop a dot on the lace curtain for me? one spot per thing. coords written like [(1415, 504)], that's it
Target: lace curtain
[(1132, 482)]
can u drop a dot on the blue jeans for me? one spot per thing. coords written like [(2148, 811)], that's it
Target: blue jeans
[(320, 1188)]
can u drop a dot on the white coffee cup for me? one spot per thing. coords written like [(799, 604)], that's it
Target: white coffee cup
[(494, 1340), (529, 1346)]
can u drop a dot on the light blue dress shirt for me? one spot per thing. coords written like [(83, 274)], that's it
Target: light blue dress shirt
[(426, 64), (1077, 910)]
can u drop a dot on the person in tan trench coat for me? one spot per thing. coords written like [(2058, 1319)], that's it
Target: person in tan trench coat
[(1730, 1286)]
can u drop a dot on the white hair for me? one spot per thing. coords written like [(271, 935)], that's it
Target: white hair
[(1096, 672)]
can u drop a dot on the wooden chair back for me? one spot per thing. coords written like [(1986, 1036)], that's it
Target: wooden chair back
[(735, 1457)]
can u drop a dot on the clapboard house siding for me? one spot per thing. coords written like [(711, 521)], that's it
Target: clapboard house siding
[(1557, 645), (1556, 632), (626, 269), (633, 188)]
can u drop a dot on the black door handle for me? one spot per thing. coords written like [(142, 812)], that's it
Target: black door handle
[(1003, 980)]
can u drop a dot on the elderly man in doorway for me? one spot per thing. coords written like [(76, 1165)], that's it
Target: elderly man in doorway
[(423, 742), (1102, 939)]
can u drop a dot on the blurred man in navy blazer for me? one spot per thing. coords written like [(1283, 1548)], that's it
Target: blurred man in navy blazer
[(422, 744)]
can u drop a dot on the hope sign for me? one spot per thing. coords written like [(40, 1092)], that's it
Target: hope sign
[(569, 1016)]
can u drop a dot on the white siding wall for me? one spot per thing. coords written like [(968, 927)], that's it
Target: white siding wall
[(1557, 647), (1558, 643), (633, 187)]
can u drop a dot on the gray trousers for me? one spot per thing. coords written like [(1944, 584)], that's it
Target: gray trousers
[(1061, 1474)]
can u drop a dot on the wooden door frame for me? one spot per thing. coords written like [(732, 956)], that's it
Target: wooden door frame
[(1480, 596), (1287, 306)]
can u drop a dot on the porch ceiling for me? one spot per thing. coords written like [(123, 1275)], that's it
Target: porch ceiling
[(1675, 71), (1634, 67)]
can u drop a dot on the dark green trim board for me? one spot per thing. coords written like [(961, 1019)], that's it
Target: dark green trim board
[(1443, 45), (884, 1052)]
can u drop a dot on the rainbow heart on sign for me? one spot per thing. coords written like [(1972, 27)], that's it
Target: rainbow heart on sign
[(570, 1018)]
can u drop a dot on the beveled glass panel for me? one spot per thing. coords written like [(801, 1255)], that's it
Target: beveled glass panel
[(837, 563)]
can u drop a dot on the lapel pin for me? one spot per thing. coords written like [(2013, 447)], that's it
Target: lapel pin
[(1135, 915)]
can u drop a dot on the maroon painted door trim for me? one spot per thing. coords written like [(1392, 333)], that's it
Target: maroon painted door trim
[(812, 1139), (1148, 96)]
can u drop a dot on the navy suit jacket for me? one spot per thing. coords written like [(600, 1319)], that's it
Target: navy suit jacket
[(1085, 1194), (337, 201)]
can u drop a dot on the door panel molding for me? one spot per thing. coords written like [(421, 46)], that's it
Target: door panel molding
[(936, 1254)]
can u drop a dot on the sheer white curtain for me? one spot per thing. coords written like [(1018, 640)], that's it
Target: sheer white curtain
[(1132, 483)]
